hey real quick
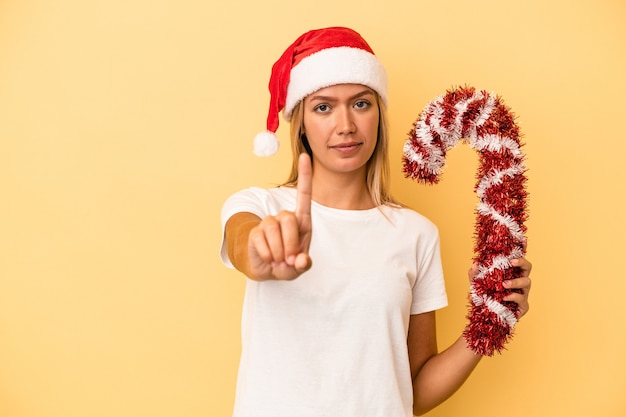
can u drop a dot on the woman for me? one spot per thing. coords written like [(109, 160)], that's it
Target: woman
[(343, 282)]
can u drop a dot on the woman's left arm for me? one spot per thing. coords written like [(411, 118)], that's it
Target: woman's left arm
[(436, 376)]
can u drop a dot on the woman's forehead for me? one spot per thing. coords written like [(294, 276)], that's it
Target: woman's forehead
[(341, 91)]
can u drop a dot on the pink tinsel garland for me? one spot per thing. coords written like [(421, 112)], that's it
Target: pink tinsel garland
[(482, 119)]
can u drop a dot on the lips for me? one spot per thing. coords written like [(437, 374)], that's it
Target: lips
[(346, 147)]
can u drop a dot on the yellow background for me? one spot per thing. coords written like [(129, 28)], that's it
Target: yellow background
[(124, 124)]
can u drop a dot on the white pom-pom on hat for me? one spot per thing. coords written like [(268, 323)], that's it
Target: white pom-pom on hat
[(319, 58), (265, 144)]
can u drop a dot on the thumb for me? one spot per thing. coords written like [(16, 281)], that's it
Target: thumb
[(303, 262)]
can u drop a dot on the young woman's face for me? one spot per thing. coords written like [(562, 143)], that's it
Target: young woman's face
[(341, 125)]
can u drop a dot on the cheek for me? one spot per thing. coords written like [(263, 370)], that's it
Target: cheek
[(372, 128), (372, 134), (316, 132)]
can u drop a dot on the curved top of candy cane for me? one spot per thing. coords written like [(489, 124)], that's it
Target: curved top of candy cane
[(464, 113)]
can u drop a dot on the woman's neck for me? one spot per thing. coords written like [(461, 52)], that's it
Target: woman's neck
[(347, 192)]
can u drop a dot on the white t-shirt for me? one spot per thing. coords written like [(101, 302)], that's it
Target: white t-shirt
[(333, 342)]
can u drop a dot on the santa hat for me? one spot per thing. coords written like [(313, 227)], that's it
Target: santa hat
[(319, 58)]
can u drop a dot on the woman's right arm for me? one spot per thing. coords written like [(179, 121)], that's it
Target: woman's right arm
[(275, 247), (237, 232), (270, 248)]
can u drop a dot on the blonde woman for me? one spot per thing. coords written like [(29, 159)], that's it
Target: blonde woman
[(342, 281)]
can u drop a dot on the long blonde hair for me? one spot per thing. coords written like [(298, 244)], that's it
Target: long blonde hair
[(378, 171)]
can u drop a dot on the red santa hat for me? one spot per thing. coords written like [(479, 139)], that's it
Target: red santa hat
[(317, 59)]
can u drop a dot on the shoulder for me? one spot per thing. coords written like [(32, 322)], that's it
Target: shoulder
[(406, 217), (260, 201), (258, 193)]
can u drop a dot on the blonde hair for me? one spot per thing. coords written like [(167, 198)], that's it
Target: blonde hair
[(378, 171)]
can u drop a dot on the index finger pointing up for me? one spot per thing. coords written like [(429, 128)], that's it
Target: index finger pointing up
[(304, 188)]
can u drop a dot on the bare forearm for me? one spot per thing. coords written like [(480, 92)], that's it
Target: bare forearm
[(237, 233), (442, 375)]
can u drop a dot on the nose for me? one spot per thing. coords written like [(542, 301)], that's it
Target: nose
[(345, 122)]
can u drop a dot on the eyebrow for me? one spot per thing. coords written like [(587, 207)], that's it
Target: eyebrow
[(331, 98)]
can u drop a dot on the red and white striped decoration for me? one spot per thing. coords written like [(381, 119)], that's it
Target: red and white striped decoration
[(482, 119)]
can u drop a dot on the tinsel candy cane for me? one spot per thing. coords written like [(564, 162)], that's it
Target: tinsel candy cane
[(482, 119)]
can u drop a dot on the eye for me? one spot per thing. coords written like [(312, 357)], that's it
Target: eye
[(362, 104), (321, 108)]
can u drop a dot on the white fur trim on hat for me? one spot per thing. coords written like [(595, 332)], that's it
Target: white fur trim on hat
[(332, 66)]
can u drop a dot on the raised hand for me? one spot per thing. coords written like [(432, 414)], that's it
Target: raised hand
[(278, 247), (522, 283)]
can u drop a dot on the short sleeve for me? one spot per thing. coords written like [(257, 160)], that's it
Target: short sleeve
[(429, 292)]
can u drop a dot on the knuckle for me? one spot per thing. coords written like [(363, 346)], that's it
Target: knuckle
[(256, 236), (283, 214), (272, 229), (286, 218), (270, 225)]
